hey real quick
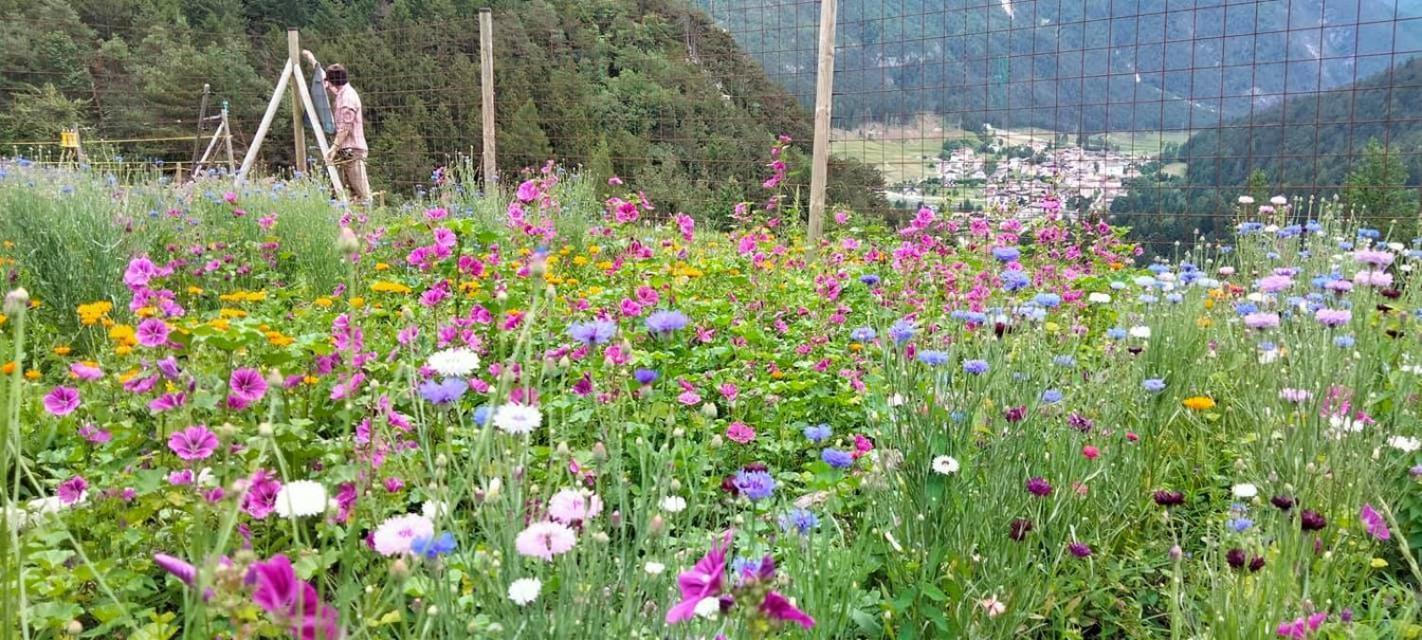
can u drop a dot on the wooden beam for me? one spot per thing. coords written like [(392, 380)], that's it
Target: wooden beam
[(321, 143), (227, 139), (202, 117), (824, 98), (293, 53), (251, 157), (211, 144), (486, 101)]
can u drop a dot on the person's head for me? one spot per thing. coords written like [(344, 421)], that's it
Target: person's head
[(336, 77)]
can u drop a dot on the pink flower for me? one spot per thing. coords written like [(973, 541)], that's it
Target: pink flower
[(740, 432), (248, 384), (701, 582), (229, 197), (85, 372), (293, 601), (179, 568), (1377, 527), (777, 607), (1090, 452), (152, 333), (545, 540), (260, 498), (94, 434), (571, 506), (393, 537), (193, 443), (61, 401), (72, 490)]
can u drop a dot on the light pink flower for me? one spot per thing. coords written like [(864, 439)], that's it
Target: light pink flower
[(393, 537), (545, 540), (571, 506)]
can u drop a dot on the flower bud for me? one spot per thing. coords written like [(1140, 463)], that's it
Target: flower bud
[(564, 362), (399, 570), (495, 487), (1176, 552), (657, 524), (599, 452), (74, 628), (17, 301), (709, 410), (347, 242), (716, 441), (265, 430), (563, 449)]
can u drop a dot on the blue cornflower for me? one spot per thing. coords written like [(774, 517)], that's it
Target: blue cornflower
[(1014, 280), (1272, 255), (902, 331), (1344, 342), (974, 317), (1246, 228), (1371, 234), (862, 334), (1146, 281), (1006, 254), (1174, 298), (932, 358), (1051, 396), (481, 415), (1064, 361), (817, 433), (1312, 226), (958, 416), (869, 279), (1154, 385), (1245, 308), (799, 520), (837, 459), (1240, 525), (1148, 299), (755, 485), (1048, 300), (443, 392), (1157, 268), (433, 547), (975, 367), (1345, 245), (1116, 333), (1267, 346), (645, 376), (595, 332), (667, 321)]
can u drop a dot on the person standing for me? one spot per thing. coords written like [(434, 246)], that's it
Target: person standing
[(348, 149)]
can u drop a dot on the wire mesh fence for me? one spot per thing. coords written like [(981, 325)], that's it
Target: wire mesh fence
[(1159, 113)]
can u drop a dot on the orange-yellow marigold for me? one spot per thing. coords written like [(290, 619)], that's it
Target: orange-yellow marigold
[(1198, 403)]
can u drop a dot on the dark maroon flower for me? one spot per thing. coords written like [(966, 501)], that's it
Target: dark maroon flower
[(1019, 529), (1079, 549), (1256, 563), (1039, 487), (1312, 520), (1135, 351), (756, 466), (1015, 414), (1391, 294), (728, 484), (1080, 422), (1235, 558), (1284, 503), (1169, 498)]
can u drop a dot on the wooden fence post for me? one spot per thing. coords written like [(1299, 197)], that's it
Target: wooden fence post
[(293, 52), (486, 102), (824, 97)]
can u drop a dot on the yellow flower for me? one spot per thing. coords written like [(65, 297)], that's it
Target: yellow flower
[(594, 290), (1378, 563), (1198, 403), (197, 291), (310, 380), (605, 265), (123, 335), (221, 324), (123, 350), (580, 261), (1204, 321), (243, 296), (32, 374), (231, 313), (357, 302), (93, 312), (277, 339), (9, 368), (1209, 303), (594, 249), (322, 302), (385, 286), (62, 350), (381, 266)]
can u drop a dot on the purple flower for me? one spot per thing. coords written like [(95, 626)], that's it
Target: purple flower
[(975, 367), (1312, 520), (1377, 527), (61, 401), (756, 485), (152, 333), (662, 322), (179, 568), (94, 434), (444, 392), (595, 332), (777, 607), (645, 376), (72, 490), (167, 402), (1039, 487), (280, 593), (702, 581), (837, 459), (1079, 549), (1166, 498), (248, 384), (1333, 317), (193, 443)]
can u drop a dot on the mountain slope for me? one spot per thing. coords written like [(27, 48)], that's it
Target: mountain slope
[(1092, 65)]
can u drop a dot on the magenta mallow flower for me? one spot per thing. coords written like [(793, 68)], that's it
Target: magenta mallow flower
[(152, 333), (1374, 522), (1301, 627), (61, 401), (178, 567), (700, 582), (193, 443), (292, 601), (72, 490), (247, 385)]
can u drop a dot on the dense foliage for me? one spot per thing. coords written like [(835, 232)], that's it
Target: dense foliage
[(537, 415), (609, 84)]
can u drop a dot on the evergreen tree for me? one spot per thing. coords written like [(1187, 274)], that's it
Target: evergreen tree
[(522, 143), (1377, 188)]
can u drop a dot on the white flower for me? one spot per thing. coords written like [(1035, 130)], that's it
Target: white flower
[(993, 606), (458, 363), (1245, 491), (708, 607), (1144, 281), (1099, 298), (1278, 201), (945, 465), (654, 568), (301, 498), (525, 590), (1246, 200), (1226, 270), (1405, 444), (1140, 331), (1411, 368), (518, 419), (433, 509), (673, 504)]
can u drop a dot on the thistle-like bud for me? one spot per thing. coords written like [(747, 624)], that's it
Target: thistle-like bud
[(347, 242), (17, 301), (709, 410)]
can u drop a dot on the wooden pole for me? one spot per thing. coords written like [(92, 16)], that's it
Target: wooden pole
[(293, 53), (267, 118), (486, 101), (824, 96), (211, 144), (321, 143), (227, 139), (202, 117)]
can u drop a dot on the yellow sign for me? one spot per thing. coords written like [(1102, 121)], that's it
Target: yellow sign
[(69, 139)]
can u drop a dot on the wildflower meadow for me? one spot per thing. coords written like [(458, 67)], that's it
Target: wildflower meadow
[(546, 414)]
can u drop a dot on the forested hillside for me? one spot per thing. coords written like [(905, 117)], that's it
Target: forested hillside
[(611, 84), (1093, 65)]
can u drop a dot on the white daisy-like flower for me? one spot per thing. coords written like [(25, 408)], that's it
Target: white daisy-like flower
[(1140, 331), (301, 498), (525, 590), (945, 465), (458, 362), (654, 568), (1278, 201), (708, 607), (1246, 200), (1405, 444), (1245, 491), (433, 509), (518, 419), (673, 504)]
